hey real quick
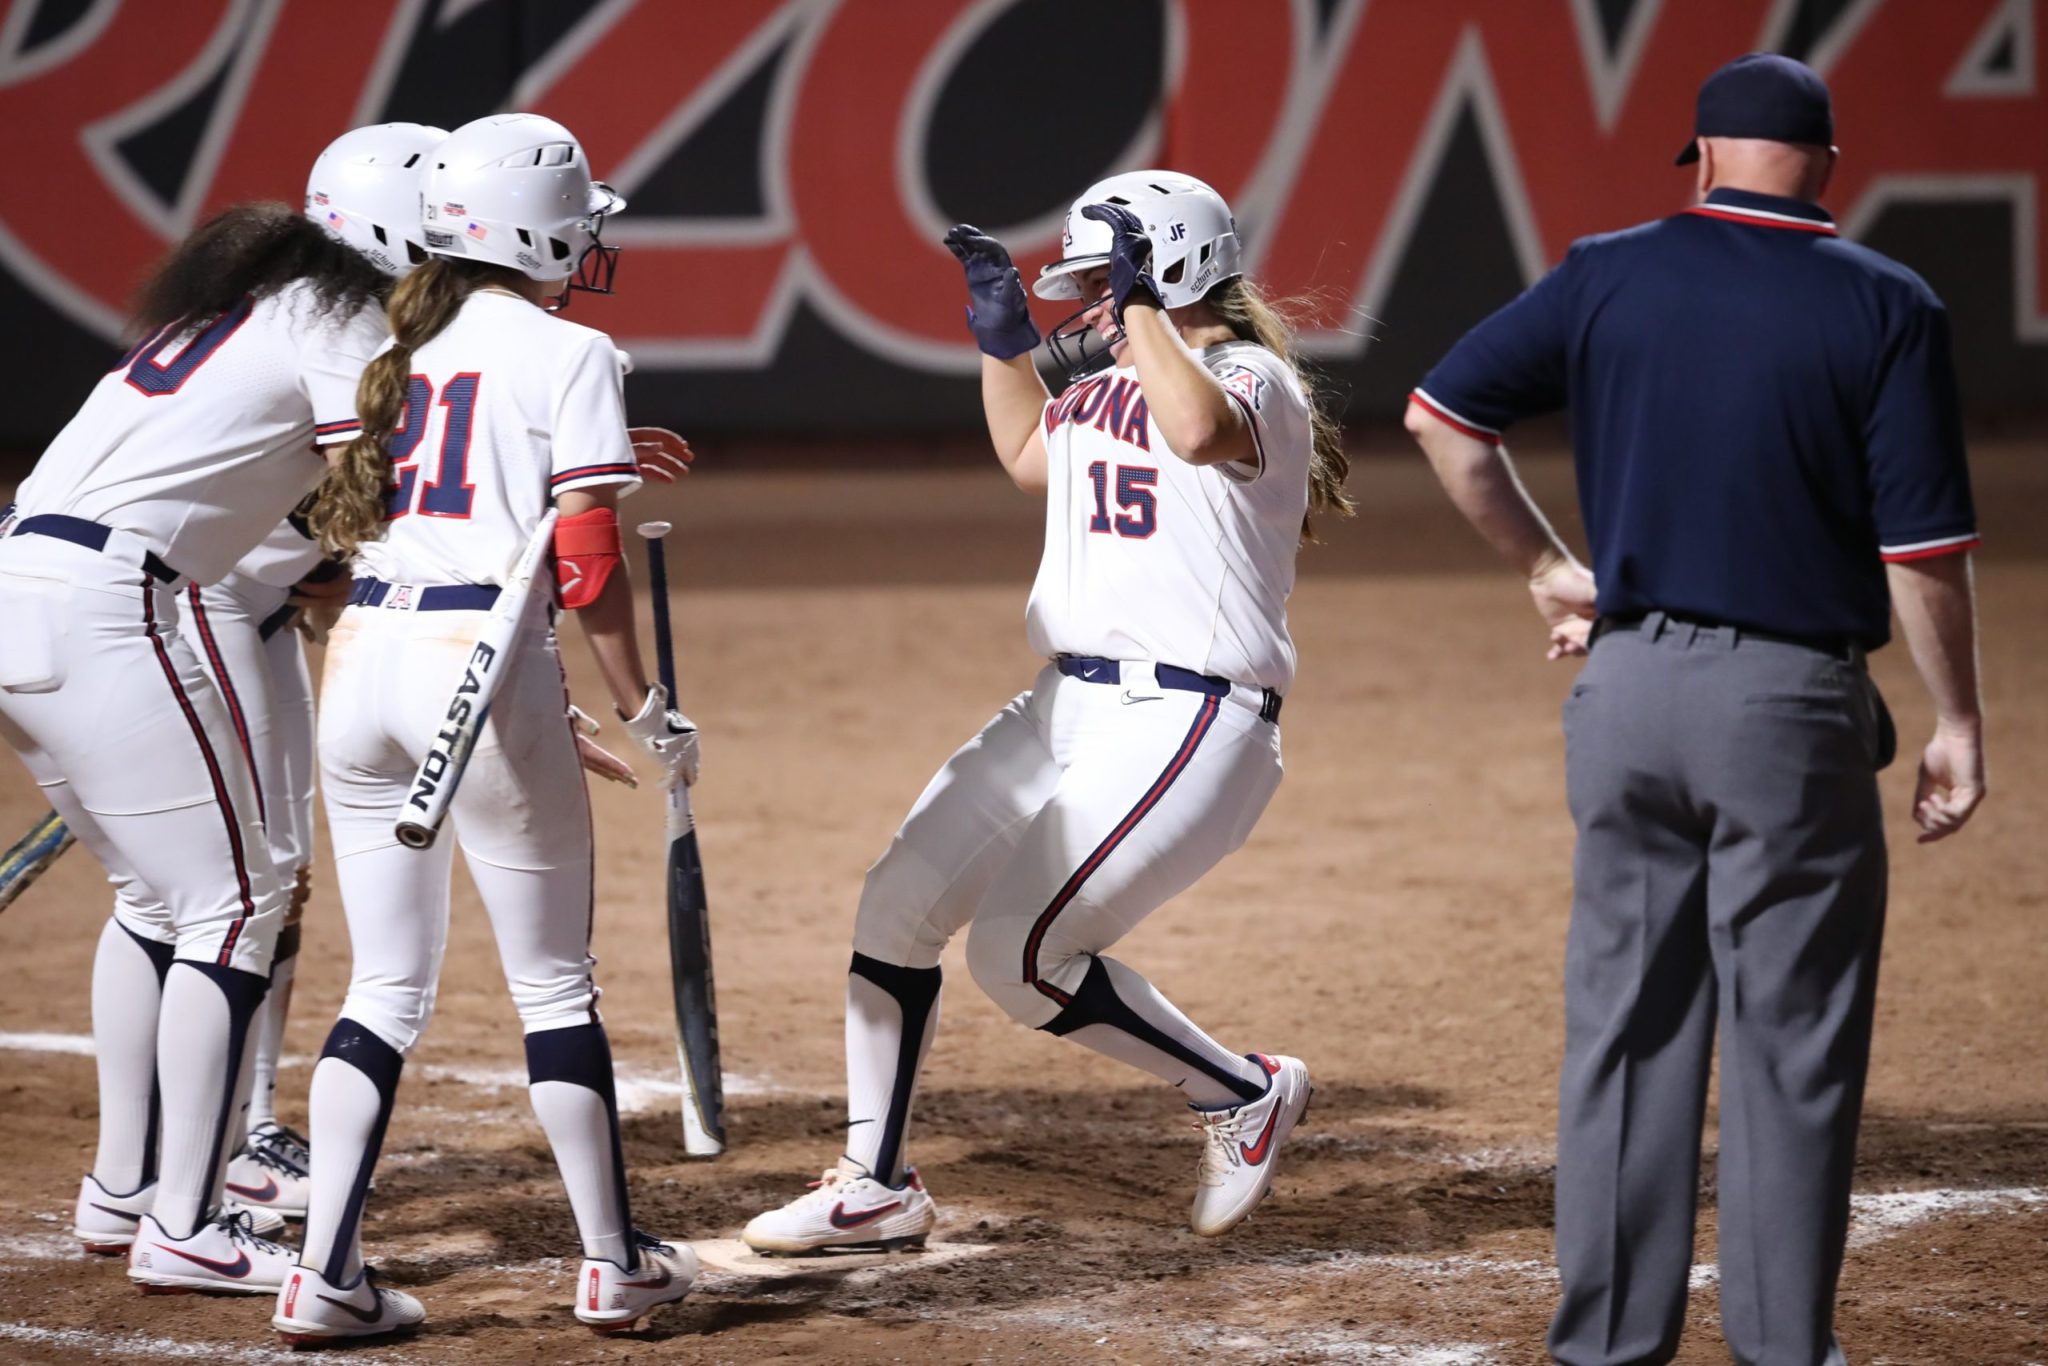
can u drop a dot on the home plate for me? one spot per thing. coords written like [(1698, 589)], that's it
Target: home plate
[(734, 1257)]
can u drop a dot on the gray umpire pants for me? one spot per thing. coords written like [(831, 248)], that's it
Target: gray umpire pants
[(1731, 870)]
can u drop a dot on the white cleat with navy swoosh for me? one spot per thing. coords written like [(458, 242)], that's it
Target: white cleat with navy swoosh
[(105, 1222), (847, 1210), (225, 1257), (272, 1172), (312, 1310), (611, 1299), (1240, 1144)]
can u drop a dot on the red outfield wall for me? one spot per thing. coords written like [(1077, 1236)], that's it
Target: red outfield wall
[(1406, 163)]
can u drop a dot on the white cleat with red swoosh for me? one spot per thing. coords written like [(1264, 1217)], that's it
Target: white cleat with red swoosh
[(847, 1210), (225, 1257), (1239, 1146), (611, 1299)]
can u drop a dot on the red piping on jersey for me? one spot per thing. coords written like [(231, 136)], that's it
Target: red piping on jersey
[(1204, 718), (1731, 215), (1453, 421), (213, 772), (591, 472), (1931, 552), (1251, 420)]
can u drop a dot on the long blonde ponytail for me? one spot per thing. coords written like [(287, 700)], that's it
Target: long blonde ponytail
[(1255, 318), (349, 507)]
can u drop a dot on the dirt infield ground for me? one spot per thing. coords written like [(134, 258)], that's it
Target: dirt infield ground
[(1397, 920)]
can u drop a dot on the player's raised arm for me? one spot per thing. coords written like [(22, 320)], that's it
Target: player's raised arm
[(1013, 397), (1192, 411)]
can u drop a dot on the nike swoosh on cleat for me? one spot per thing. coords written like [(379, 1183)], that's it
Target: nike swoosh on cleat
[(841, 1219), (359, 1315), (237, 1269), (267, 1191), (118, 1213), (646, 1285), (1256, 1152)]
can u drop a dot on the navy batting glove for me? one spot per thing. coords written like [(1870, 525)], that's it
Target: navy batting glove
[(997, 313), (1130, 257)]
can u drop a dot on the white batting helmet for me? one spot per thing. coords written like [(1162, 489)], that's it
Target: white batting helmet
[(365, 190), (1194, 238), (515, 190)]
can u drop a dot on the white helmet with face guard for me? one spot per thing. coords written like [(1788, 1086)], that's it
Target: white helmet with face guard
[(365, 190), (515, 190), (1194, 237)]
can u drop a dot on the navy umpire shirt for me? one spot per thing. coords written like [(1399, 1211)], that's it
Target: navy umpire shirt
[(1762, 414)]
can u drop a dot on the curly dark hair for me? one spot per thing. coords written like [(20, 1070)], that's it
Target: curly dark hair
[(254, 249)]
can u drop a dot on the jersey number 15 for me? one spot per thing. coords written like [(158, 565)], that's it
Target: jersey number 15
[(449, 493), (1134, 494)]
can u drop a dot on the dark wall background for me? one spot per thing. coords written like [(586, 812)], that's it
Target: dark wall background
[(1021, 123)]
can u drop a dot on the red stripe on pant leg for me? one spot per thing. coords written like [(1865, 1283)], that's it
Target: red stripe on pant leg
[(1203, 719), (213, 772), (227, 689)]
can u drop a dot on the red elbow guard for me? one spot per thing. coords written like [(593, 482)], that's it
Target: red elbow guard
[(587, 549)]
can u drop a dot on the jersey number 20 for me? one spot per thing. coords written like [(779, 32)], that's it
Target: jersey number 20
[(449, 493), (1133, 493)]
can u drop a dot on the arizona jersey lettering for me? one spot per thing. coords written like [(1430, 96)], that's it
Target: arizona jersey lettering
[(202, 438), (1150, 558), (507, 409)]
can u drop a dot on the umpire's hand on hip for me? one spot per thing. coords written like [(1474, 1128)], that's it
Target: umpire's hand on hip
[(1564, 594)]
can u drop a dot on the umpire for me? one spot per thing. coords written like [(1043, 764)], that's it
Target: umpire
[(1770, 461)]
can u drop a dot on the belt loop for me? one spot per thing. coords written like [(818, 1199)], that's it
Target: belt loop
[(1734, 636), (1654, 624)]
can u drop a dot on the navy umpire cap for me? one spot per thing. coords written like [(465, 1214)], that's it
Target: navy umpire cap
[(1763, 95)]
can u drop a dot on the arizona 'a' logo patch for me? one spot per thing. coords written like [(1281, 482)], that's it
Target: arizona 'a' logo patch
[(1246, 384)]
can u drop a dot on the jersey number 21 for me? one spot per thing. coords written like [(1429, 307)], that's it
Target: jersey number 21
[(449, 493)]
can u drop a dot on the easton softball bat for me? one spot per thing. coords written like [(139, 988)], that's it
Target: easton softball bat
[(32, 856), (689, 912), (440, 773)]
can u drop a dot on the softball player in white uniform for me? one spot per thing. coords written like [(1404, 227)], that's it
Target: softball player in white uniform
[(185, 456), (481, 412), (1177, 482), (363, 190), (240, 628)]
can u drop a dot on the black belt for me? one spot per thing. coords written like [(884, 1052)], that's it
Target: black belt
[(446, 597), (276, 621), (1832, 646), (1091, 669), (91, 535)]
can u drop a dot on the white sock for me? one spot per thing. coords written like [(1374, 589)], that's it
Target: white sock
[(354, 1086), (201, 1058), (127, 991), (882, 1064), (267, 1038), (570, 1081)]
